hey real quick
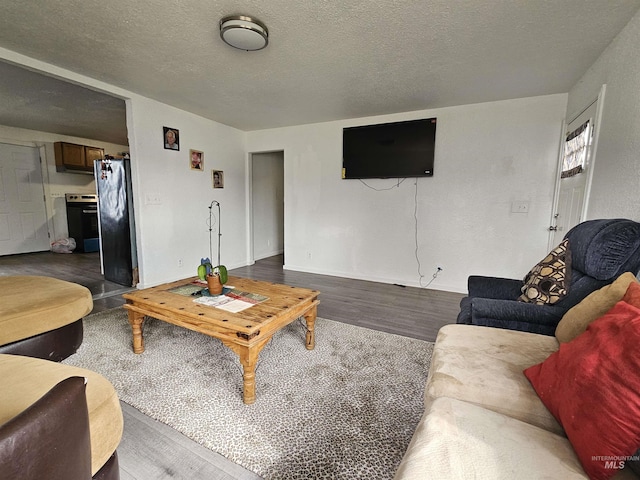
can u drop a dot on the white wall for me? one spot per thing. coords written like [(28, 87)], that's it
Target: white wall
[(267, 204), (615, 191), (56, 184), (487, 156), (176, 228)]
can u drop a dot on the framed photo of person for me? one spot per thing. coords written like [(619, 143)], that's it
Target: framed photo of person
[(218, 178), (196, 160), (171, 138)]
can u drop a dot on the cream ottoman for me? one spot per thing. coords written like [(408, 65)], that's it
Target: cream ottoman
[(42, 316)]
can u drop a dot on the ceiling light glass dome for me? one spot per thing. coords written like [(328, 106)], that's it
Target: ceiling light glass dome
[(244, 33)]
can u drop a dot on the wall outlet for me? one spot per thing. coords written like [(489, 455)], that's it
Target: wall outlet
[(152, 199), (308, 255), (180, 263), (520, 207)]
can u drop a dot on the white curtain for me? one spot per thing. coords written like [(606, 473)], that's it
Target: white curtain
[(575, 151)]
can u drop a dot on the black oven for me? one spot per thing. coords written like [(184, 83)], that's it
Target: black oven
[(82, 220)]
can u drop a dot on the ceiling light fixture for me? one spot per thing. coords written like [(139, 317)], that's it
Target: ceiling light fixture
[(244, 32)]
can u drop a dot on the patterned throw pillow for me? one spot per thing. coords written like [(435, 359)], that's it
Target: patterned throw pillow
[(548, 282)]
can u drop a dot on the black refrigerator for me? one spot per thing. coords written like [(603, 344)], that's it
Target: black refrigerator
[(116, 221)]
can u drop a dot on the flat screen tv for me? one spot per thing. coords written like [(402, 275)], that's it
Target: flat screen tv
[(389, 150)]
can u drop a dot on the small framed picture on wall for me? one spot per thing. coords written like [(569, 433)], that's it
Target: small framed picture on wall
[(218, 178), (171, 138), (196, 160)]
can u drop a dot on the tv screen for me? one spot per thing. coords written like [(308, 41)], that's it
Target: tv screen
[(389, 150)]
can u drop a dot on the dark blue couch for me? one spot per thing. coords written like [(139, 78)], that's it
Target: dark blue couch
[(601, 250)]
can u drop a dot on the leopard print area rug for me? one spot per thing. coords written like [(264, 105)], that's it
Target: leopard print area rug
[(345, 410)]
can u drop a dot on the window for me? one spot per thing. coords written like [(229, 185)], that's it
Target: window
[(575, 151)]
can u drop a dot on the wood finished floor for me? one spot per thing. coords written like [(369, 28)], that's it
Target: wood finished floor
[(151, 450), (407, 311)]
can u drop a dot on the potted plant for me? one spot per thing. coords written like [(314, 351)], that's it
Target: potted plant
[(216, 276)]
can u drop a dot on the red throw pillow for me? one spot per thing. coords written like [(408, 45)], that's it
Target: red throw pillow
[(591, 385)]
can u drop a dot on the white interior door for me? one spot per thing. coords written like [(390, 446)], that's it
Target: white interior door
[(569, 207), (23, 217), (573, 192)]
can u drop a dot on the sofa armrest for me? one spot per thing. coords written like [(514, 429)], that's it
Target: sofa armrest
[(493, 287), (514, 315), (50, 439)]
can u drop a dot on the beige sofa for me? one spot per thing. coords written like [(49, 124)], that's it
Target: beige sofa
[(482, 418)]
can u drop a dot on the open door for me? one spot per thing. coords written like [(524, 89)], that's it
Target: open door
[(575, 170)]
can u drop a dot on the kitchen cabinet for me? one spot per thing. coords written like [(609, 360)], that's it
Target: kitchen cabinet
[(91, 154), (76, 158)]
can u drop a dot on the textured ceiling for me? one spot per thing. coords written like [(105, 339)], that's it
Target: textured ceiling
[(38, 102), (326, 60)]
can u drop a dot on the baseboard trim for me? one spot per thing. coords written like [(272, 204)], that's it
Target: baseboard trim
[(267, 255), (391, 281)]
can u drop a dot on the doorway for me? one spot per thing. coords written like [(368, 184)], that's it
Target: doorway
[(267, 204), (575, 170), (52, 109)]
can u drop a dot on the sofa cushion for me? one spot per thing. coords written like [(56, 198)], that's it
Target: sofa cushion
[(548, 282), (592, 386), (593, 306), (458, 440), (484, 366), (23, 380), (31, 305)]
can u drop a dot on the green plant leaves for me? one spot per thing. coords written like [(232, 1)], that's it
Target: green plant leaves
[(202, 272), (222, 271)]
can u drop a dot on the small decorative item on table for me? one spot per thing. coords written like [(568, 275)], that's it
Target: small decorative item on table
[(214, 284), (215, 277)]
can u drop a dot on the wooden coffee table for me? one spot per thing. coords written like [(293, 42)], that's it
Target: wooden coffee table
[(245, 332)]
